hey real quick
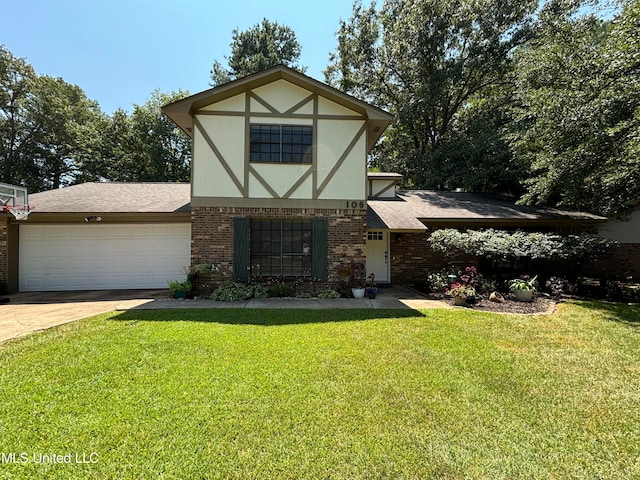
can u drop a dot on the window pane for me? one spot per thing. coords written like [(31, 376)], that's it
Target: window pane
[(280, 247), (281, 143)]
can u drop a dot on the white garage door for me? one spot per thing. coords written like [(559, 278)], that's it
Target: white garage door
[(102, 256)]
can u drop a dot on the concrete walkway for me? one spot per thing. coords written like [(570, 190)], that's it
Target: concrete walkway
[(381, 301), (393, 297), (33, 311), (30, 312)]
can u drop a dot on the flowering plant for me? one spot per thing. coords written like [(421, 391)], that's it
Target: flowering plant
[(346, 271), (461, 290), (370, 280), (469, 276)]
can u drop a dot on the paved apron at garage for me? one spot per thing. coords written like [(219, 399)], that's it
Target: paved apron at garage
[(33, 311)]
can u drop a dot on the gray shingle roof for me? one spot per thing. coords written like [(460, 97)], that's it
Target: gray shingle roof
[(410, 208), (114, 197), (407, 211)]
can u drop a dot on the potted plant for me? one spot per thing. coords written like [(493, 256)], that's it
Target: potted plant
[(348, 276), (179, 289), (345, 273), (371, 287), (357, 288), (461, 293), (357, 292), (523, 288)]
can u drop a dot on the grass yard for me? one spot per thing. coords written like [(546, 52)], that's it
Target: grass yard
[(188, 394)]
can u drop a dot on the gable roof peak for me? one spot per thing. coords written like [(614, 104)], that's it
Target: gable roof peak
[(182, 111)]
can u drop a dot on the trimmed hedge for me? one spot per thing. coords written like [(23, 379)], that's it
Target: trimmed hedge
[(509, 246)]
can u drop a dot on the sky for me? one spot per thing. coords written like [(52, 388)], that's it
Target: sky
[(119, 51)]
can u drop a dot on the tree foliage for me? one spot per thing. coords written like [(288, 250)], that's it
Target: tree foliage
[(52, 135), (577, 116), (145, 146), (48, 127), (510, 246), (427, 62), (534, 99), (262, 46), (16, 83), (66, 132)]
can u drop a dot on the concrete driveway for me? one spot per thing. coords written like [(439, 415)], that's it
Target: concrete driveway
[(30, 312)]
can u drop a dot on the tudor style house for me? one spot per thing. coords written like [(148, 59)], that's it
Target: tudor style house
[(279, 175), (279, 188)]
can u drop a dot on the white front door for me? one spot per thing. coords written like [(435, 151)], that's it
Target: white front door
[(378, 255)]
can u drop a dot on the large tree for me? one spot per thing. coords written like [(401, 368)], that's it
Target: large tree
[(578, 112), (52, 135), (48, 127), (428, 62), (262, 46), (66, 132), (16, 85), (145, 146), (166, 148)]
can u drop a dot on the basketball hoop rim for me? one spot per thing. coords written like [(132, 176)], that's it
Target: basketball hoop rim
[(20, 212)]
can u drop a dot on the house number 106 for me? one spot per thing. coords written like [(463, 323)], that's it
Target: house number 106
[(354, 204)]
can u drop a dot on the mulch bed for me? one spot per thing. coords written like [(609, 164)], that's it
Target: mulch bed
[(538, 305)]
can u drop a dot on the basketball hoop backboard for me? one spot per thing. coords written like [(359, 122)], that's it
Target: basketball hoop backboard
[(14, 200)]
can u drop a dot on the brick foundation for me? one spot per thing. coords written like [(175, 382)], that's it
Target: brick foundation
[(212, 236)]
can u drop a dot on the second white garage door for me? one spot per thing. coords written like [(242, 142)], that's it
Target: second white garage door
[(102, 256)]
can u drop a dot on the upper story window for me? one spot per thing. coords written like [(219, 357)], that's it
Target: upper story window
[(281, 143)]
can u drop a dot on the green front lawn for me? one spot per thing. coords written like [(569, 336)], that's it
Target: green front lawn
[(189, 394)]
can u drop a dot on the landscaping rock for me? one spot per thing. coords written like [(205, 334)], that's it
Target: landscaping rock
[(496, 297)]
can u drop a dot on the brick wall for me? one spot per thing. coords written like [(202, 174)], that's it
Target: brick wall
[(412, 258), (410, 255), (623, 262), (212, 235), (4, 256)]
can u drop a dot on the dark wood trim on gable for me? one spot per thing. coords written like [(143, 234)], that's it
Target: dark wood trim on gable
[(287, 114), (263, 182), (314, 154), (247, 143), (220, 113), (385, 189), (264, 103), (300, 104), (299, 182), (222, 160), (343, 157)]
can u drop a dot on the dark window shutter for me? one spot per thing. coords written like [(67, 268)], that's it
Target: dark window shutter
[(241, 249), (320, 251)]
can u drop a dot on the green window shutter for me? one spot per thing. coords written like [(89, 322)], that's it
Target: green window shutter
[(320, 251), (241, 249)]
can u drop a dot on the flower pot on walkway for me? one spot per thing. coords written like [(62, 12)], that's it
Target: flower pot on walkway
[(357, 292)]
